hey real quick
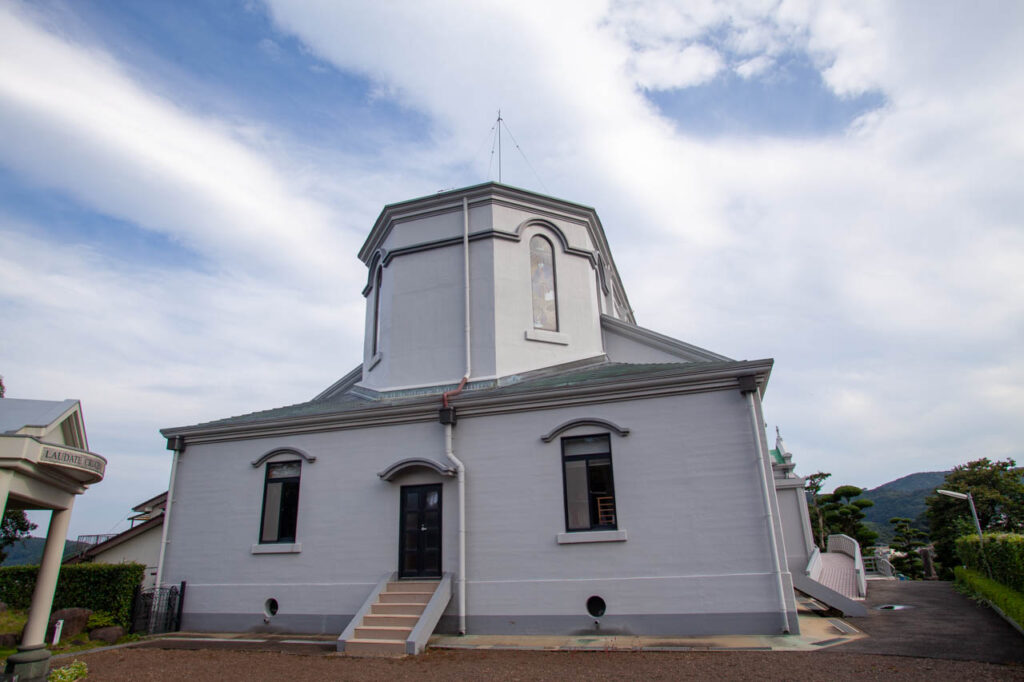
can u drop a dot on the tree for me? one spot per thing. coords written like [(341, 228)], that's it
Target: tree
[(845, 514), (813, 485), (905, 557), (998, 492), (15, 526)]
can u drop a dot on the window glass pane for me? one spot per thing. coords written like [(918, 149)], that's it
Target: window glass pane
[(577, 500), (283, 470), (289, 511), (542, 277), (587, 445), (603, 508), (376, 310), (271, 512)]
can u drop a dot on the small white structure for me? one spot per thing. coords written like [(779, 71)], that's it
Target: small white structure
[(512, 435), (44, 463), (836, 577), (139, 544)]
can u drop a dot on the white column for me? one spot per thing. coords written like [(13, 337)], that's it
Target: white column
[(46, 581), (5, 487)]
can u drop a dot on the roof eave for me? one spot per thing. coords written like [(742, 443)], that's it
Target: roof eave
[(687, 379)]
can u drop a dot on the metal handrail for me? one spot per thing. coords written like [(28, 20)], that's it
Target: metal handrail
[(880, 566)]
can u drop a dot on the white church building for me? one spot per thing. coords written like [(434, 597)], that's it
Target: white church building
[(513, 455)]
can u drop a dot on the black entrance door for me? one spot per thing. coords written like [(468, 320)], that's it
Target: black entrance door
[(419, 549)]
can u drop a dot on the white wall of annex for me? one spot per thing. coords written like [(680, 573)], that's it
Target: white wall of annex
[(141, 549)]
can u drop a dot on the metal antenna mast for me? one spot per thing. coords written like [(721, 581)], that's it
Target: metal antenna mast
[(499, 145)]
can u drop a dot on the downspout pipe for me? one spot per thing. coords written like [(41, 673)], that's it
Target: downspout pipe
[(748, 386), (177, 444), (448, 419), (461, 474)]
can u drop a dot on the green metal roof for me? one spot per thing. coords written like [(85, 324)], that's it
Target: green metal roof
[(550, 378)]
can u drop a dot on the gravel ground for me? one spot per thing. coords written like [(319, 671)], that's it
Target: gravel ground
[(141, 665)]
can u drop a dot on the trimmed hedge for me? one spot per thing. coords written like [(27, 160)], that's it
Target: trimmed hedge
[(1010, 602), (99, 587), (1005, 555)]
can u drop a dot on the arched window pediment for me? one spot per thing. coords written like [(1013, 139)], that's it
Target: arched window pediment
[(256, 463), (406, 465), (592, 421)]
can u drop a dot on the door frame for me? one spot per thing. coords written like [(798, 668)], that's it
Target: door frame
[(420, 549)]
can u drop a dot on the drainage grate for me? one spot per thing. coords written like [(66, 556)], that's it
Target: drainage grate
[(892, 607)]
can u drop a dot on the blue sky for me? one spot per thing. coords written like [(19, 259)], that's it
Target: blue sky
[(184, 187)]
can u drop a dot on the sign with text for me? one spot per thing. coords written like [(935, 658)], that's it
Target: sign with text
[(71, 459)]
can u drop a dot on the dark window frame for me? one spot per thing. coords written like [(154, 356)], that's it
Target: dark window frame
[(377, 281), (284, 538), (554, 283), (591, 498)]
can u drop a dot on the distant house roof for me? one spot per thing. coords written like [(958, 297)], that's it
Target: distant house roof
[(155, 502), (17, 413), (117, 540)]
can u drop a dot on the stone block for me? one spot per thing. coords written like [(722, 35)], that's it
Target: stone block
[(74, 619), (108, 634)]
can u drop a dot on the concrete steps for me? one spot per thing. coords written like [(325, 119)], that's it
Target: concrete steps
[(385, 629)]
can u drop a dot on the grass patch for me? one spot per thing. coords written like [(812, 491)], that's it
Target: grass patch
[(13, 620), (1009, 601)]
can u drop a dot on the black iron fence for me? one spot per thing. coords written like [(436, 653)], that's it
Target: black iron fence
[(158, 609)]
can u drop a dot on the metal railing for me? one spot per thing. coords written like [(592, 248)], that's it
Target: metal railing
[(95, 539), (844, 544), (158, 609), (877, 565)]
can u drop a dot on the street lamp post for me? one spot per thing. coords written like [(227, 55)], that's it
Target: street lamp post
[(977, 525)]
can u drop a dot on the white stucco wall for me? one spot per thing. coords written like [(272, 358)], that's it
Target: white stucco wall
[(422, 330), (795, 519), (141, 549), (687, 492)]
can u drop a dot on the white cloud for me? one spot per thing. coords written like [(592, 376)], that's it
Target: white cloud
[(754, 66), (668, 67), (75, 122)]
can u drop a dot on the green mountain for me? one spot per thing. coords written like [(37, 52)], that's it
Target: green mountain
[(29, 552), (904, 497)]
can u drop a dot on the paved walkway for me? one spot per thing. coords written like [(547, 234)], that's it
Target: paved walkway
[(940, 623), (838, 573)]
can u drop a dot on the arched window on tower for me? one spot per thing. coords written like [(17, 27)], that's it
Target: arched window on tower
[(542, 277), (376, 311)]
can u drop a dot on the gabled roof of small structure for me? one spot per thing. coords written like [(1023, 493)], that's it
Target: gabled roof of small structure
[(17, 413), (120, 538)]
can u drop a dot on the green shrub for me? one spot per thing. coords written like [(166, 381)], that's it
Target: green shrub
[(1009, 601), (100, 619), (99, 587), (69, 673), (1004, 553)]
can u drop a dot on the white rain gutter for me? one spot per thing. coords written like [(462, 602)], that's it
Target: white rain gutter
[(768, 510), (461, 469), (167, 520), (449, 452)]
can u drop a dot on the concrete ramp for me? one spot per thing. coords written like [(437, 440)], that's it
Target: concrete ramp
[(826, 595)]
